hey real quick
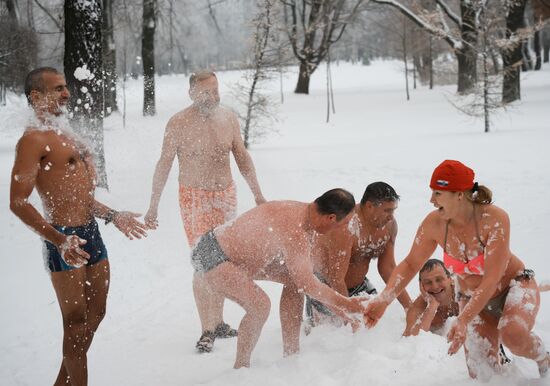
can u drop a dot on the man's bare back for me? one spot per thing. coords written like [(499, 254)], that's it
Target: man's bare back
[(282, 227)]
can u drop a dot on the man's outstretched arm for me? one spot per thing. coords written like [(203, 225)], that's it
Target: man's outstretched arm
[(162, 171), (125, 221)]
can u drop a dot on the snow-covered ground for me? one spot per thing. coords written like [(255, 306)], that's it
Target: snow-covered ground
[(149, 333)]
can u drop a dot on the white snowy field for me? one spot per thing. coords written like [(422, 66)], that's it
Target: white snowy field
[(149, 333)]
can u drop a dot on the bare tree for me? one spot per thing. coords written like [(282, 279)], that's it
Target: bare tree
[(148, 55), (485, 99), (109, 59), (18, 48), (266, 62), (312, 27), (511, 50), (83, 71), (464, 45)]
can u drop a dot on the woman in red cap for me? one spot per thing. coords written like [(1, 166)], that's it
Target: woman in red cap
[(499, 298)]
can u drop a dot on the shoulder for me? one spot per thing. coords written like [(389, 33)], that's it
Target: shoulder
[(493, 216), (180, 119), (32, 137), (433, 221), (228, 115)]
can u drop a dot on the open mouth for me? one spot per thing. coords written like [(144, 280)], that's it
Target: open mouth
[(440, 291)]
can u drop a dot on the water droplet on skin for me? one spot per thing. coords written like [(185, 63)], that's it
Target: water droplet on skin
[(47, 148)]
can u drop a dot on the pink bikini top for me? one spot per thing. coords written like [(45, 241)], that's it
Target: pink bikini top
[(474, 266)]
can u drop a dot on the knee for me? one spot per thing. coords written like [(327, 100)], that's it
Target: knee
[(75, 321), (95, 318), (263, 307)]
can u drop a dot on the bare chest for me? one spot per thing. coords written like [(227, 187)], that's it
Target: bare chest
[(208, 139), (464, 243), (370, 245), (62, 153)]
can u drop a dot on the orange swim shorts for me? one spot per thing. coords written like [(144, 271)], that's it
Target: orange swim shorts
[(203, 210)]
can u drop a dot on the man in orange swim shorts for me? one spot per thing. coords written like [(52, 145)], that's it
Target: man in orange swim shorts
[(203, 136)]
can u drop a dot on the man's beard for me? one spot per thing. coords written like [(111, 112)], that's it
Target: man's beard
[(208, 107)]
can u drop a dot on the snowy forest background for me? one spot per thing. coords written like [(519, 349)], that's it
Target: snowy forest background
[(480, 46), (374, 90)]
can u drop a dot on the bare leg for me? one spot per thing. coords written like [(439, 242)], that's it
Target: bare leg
[(290, 309), (209, 304), (95, 293), (69, 288), (233, 283), (98, 276), (518, 319)]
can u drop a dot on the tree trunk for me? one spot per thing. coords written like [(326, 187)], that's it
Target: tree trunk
[(466, 55), (13, 11), (148, 56), (109, 59), (467, 72), (538, 49), (511, 55), (546, 44), (527, 62), (83, 65), (302, 87)]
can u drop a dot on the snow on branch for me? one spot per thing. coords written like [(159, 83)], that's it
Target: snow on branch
[(449, 12), (436, 31)]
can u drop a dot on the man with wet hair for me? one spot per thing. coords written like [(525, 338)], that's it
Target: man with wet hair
[(53, 160), (342, 259), (273, 242), (203, 136), (436, 302)]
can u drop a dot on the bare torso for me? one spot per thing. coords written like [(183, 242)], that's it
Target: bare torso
[(368, 244), (258, 240), (65, 179), (358, 242), (203, 146), (463, 244)]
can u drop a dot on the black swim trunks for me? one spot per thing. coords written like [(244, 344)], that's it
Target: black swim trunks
[(207, 254), (94, 246), (495, 306)]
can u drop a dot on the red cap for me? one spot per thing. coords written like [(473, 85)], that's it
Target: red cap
[(453, 176)]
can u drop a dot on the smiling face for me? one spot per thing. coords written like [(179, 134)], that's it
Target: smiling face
[(447, 203), (436, 283), (53, 95)]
